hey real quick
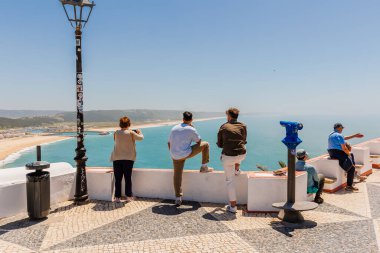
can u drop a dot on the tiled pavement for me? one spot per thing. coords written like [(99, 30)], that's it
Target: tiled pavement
[(346, 222)]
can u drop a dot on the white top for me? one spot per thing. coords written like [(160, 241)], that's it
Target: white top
[(181, 138)]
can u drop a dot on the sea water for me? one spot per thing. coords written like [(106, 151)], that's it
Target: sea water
[(264, 145)]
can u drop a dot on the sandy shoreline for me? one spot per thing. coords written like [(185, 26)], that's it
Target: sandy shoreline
[(9, 147), (14, 145), (147, 125)]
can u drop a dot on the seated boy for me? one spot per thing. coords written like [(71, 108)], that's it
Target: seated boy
[(315, 182)]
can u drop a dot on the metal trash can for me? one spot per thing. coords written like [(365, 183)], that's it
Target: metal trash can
[(38, 190)]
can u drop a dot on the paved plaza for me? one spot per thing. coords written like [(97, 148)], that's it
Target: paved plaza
[(346, 222)]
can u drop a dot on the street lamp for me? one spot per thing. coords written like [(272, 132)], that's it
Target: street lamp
[(78, 13)]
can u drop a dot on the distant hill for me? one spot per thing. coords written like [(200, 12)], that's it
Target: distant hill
[(139, 115), (14, 114), (27, 122)]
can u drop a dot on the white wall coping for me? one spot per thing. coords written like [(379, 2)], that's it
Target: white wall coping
[(16, 175)]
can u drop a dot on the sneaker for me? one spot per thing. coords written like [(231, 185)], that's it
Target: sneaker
[(237, 172), (231, 209), (351, 188), (205, 169), (318, 200), (178, 201)]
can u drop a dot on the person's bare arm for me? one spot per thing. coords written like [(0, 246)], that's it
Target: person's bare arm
[(358, 135), (138, 135), (169, 145), (345, 149)]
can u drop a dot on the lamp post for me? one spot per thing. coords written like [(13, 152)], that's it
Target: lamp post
[(78, 13), (290, 211)]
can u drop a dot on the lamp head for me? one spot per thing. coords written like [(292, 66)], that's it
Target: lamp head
[(81, 11), (78, 2)]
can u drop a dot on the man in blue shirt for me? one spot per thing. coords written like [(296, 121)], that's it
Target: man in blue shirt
[(315, 182), (338, 150)]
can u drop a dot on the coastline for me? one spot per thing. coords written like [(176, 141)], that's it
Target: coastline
[(148, 125), (12, 146)]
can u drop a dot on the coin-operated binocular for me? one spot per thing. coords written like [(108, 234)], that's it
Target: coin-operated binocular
[(290, 211), (291, 140)]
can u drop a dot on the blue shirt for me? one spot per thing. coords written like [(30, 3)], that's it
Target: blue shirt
[(335, 141), (312, 176), (181, 138)]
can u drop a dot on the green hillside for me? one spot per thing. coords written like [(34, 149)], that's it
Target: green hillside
[(27, 122), (139, 115)]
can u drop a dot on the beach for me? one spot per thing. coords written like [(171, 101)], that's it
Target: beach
[(147, 125), (10, 146)]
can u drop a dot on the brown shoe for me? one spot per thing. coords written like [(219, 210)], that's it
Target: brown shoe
[(351, 189), (205, 169)]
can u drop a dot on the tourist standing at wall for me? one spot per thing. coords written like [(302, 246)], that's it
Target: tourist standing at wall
[(123, 157), (232, 137), (180, 145), (338, 150)]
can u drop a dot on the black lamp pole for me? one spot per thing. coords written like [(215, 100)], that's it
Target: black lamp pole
[(80, 158), (77, 21)]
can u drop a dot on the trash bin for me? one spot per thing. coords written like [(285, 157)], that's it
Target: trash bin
[(38, 190)]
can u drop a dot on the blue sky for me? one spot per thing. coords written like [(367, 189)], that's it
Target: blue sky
[(295, 56)]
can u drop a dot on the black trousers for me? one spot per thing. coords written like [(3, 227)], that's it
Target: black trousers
[(321, 184), (123, 168), (345, 163)]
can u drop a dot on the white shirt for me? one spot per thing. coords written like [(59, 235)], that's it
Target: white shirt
[(181, 138)]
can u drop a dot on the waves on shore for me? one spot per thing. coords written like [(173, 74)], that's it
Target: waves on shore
[(16, 155), (13, 157)]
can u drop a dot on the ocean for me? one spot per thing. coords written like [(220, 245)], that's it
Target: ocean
[(264, 142)]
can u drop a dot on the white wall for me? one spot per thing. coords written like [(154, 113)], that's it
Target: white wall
[(13, 187), (196, 186), (158, 183)]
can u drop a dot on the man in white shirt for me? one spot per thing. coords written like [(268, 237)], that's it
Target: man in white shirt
[(180, 145)]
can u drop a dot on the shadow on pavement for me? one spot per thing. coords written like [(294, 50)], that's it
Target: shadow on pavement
[(19, 224), (219, 214), (167, 207), (288, 228)]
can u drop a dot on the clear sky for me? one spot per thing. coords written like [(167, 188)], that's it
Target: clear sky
[(307, 57)]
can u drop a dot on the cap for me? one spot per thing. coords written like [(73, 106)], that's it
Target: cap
[(301, 153), (337, 125)]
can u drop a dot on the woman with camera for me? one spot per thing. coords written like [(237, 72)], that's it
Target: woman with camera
[(123, 157)]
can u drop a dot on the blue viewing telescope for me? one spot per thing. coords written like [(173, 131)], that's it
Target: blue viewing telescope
[(291, 140)]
